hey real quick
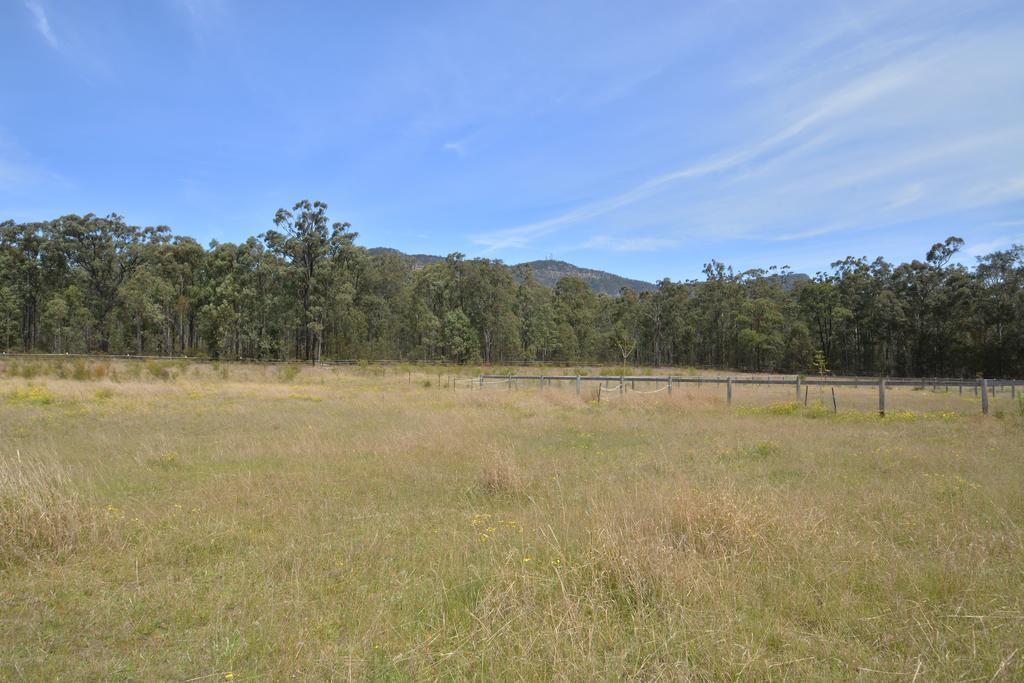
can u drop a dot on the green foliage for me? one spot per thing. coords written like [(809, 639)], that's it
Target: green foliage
[(820, 363), (303, 290), (288, 372), (459, 337)]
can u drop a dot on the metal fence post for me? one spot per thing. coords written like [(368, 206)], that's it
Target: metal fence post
[(984, 396), (579, 382), (798, 389), (728, 392), (881, 396), (670, 384)]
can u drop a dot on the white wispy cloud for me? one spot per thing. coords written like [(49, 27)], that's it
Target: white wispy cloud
[(456, 146), (983, 248), (42, 22), (898, 126), (835, 104)]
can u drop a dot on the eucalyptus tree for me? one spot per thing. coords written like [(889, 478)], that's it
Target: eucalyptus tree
[(307, 241), (103, 253)]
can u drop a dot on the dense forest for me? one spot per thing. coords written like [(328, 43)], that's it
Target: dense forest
[(305, 290)]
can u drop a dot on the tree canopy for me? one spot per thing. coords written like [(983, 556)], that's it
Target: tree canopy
[(305, 290)]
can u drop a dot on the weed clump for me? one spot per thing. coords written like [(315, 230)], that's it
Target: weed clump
[(40, 396)]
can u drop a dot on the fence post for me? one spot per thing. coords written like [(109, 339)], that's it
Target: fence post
[(728, 392), (578, 383), (984, 396), (481, 381), (881, 396), (798, 388), (1013, 388), (670, 384), (542, 382), (622, 384)]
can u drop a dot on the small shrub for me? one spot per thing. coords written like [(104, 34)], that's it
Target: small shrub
[(104, 394), (80, 371), (288, 372), (100, 370), (162, 370), (426, 384)]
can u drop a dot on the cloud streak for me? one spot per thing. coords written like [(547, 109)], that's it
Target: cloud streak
[(42, 22), (921, 127), (853, 95)]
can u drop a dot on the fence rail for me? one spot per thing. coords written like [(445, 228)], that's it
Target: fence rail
[(623, 383)]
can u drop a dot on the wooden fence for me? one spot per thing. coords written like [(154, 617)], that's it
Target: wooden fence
[(981, 387)]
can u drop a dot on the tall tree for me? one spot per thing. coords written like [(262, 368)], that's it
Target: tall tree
[(307, 242)]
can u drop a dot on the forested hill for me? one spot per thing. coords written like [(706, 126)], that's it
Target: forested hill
[(546, 272), (305, 289)]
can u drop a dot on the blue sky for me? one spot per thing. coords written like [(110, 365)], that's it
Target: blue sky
[(642, 138)]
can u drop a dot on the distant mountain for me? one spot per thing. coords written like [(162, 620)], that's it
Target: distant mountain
[(546, 272), (790, 281), (416, 260)]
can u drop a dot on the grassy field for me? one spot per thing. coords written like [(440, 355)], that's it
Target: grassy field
[(203, 522)]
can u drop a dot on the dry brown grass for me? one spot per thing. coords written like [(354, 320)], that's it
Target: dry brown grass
[(337, 523)]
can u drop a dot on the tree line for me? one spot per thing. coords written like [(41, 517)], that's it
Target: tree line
[(305, 290)]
